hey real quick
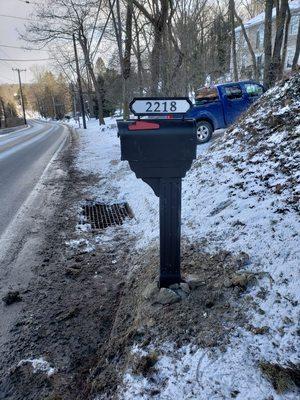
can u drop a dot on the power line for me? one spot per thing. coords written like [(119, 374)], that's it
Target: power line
[(37, 59), (19, 47), (4, 77), (15, 17), (4, 52), (5, 62), (28, 2)]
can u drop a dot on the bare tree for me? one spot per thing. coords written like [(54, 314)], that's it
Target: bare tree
[(297, 50), (250, 48), (231, 10), (127, 57), (158, 14), (4, 112), (285, 42), (253, 7), (83, 40), (275, 67), (268, 42), (58, 20), (138, 51)]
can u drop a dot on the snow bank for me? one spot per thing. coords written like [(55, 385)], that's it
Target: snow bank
[(201, 374)]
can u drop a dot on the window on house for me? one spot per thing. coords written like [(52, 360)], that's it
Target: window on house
[(253, 89), (259, 61), (243, 60), (260, 37), (294, 24), (289, 58), (257, 40), (233, 92)]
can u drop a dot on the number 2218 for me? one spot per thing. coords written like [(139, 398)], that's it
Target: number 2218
[(156, 106)]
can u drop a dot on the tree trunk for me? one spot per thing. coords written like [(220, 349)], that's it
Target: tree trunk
[(286, 36), (89, 88), (125, 61), (250, 48), (233, 39), (117, 23), (297, 51), (99, 97), (54, 106), (176, 89), (4, 112), (84, 45), (155, 61), (268, 42), (127, 58), (159, 22), (137, 51), (276, 59)]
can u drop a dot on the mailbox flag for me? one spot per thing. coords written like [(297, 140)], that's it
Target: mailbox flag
[(143, 125)]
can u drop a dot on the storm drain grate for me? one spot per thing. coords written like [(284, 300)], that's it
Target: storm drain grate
[(101, 215)]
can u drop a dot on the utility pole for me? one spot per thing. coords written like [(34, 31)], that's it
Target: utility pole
[(79, 83), (54, 107), (21, 92)]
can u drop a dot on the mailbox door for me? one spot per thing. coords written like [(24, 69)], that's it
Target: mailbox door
[(167, 141)]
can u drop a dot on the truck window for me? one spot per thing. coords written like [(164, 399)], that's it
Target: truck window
[(206, 95), (253, 90), (233, 92)]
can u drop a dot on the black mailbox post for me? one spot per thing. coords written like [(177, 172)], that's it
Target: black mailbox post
[(160, 152)]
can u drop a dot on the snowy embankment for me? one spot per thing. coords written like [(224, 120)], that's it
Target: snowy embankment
[(241, 195)]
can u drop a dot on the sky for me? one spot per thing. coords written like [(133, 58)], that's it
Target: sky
[(9, 36)]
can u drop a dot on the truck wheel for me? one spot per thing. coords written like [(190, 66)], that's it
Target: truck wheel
[(204, 132)]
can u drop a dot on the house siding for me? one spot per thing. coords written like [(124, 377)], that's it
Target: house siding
[(255, 33)]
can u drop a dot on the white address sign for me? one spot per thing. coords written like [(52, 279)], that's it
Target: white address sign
[(159, 106)]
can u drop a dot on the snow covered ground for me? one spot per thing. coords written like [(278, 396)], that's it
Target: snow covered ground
[(241, 194)]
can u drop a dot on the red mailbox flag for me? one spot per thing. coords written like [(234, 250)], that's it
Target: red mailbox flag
[(143, 125)]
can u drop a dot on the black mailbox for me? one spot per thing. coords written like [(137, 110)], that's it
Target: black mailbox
[(160, 148), (160, 152)]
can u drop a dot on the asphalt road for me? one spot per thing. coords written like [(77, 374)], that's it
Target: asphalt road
[(24, 156)]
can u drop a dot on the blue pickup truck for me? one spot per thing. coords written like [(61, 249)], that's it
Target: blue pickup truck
[(218, 107)]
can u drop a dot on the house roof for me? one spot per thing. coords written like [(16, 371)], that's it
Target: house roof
[(294, 6)]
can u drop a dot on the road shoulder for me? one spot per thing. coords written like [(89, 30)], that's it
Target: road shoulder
[(21, 244), (69, 298)]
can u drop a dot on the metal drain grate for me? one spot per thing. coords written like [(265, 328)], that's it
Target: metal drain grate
[(101, 215)]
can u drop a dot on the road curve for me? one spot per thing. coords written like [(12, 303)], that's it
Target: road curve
[(24, 156)]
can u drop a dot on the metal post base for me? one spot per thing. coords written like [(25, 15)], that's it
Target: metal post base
[(170, 226)]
